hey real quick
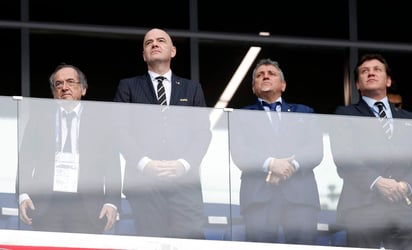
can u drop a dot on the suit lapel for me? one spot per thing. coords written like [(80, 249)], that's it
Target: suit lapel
[(395, 112), (364, 109), (175, 90), (148, 89)]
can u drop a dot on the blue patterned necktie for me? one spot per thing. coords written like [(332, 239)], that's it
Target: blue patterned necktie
[(271, 106), (274, 116)]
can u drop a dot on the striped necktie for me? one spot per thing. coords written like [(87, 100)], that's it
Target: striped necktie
[(384, 119), (161, 94)]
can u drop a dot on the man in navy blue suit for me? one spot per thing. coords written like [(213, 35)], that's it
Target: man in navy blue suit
[(372, 156), (276, 145), (163, 144)]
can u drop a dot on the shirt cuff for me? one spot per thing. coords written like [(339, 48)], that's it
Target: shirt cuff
[(265, 166), (409, 188), (372, 186), (185, 164), (23, 197), (296, 164), (112, 205), (143, 162)]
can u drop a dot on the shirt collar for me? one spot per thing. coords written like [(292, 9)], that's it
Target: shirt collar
[(371, 102), (76, 109), (277, 100), (168, 75)]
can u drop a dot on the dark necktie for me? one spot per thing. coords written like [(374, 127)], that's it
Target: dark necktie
[(384, 119), (68, 144), (271, 106), (161, 95), (274, 116)]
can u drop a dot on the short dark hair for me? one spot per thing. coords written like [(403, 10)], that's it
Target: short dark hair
[(368, 57), (267, 61)]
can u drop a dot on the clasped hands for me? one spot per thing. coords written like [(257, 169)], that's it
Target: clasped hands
[(393, 190), (280, 169), (162, 168)]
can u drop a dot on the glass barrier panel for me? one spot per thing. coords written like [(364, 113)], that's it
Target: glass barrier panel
[(203, 173), (8, 162)]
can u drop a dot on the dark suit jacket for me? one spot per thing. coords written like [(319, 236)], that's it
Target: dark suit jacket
[(162, 134), (99, 175), (140, 89), (253, 140), (362, 152)]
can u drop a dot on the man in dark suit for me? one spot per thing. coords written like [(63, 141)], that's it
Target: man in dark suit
[(69, 176), (372, 156), (163, 144), (277, 152)]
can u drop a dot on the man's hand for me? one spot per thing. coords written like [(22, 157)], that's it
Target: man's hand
[(111, 214), (281, 168), (391, 190), (273, 179), (24, 205), (405, 188), (164, 168)]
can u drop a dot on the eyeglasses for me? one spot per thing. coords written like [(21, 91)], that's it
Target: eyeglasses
[(70, 82)]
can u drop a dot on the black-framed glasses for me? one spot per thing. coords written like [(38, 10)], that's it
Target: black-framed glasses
[(70, 82)]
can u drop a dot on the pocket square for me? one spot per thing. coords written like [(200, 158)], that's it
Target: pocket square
[(183, 100)]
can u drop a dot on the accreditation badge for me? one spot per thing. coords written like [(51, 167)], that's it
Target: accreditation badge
[(66, 172)]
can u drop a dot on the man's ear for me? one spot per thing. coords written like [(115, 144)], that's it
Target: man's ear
[(84, 90), (283, 86), (173, 52), (389, 82)]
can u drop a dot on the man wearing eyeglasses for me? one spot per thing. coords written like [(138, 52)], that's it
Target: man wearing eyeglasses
[(69, 177)]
